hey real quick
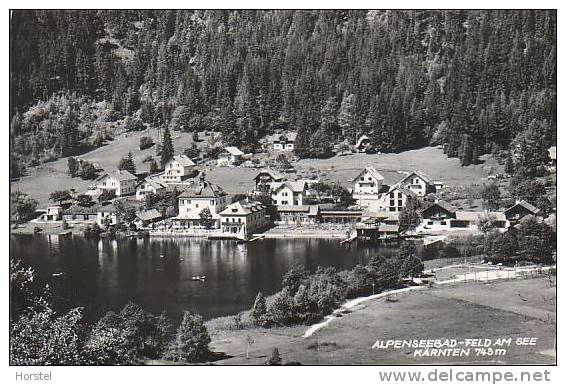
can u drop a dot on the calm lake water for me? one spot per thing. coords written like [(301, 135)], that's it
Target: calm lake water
[(104, 275)]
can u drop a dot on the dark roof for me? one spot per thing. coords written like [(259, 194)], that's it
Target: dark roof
[(442, 204), (203, 190), (288, 137), (277, 176), (526, 205)]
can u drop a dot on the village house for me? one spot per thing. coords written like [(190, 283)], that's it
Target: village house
[(200, 196), (298, 215), (52, 214), (148, 185), (146, 218), (362, 144), (122, 182), (418, 183), (265, 177), (178, 169), (520, 209), (395, 199), (367, 187), (440, 217), (288, 193), (80, 214), (230, 156), (436, 217), (106, 216), (284, 142), (243, 218), (369, 181)]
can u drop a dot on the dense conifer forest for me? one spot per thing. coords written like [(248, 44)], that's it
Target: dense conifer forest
[(474, 81)]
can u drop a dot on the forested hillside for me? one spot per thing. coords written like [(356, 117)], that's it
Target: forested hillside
[(471, 80)]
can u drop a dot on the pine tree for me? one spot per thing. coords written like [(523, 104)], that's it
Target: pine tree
[(258, 312), (167, 150)]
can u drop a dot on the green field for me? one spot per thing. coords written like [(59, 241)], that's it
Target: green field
[(53, 175), (501, 309)]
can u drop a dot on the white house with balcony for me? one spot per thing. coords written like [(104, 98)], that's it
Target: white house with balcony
[(418, 183), (395, 199), (241, 219), (149, 185), (288, 193), (367, 187), (122, 182), (178, 169), (200, 196), (284, 142)]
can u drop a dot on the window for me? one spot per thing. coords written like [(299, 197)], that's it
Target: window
[(400, 202), (430, 222), (212, 202), (196, 205), (392, 202), (443, 223), (399, 194), (392, 209)]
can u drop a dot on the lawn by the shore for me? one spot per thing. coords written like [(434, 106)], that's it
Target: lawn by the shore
[(499, 309)]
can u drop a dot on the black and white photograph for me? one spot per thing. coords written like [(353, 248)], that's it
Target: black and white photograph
[(283, 187)]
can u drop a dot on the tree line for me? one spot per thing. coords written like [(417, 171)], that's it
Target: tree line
[(470, 80)]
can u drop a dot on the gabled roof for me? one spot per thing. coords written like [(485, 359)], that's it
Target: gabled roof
[(370, 170), (203, 190), (442, 204), (523, 203), (234, 151), (420, 175), (277, 176), (288, 137), (552, 152), (242, 207), (183, 160), (295, 186), (361, 140), (119, 175), (403, 190), (152, 182), (148, 215)]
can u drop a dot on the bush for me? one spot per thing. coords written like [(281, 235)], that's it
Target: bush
[(146, 142), (191, 341)]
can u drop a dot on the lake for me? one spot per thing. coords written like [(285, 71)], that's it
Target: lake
[(103, 275)]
